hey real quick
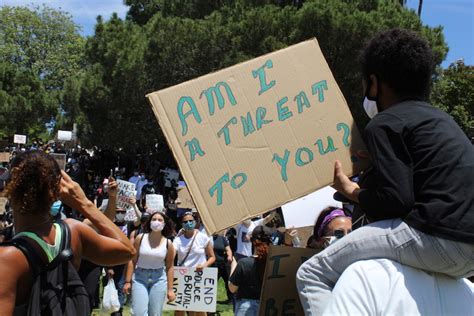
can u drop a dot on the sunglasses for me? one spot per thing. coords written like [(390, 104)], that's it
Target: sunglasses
[(339, 233), (190, 221)]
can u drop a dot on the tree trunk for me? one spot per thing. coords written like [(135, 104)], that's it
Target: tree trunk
[(420, 6)]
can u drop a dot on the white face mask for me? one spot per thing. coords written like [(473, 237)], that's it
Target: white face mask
[(120, 217), (370, 107), (330, 241), (157, 226)]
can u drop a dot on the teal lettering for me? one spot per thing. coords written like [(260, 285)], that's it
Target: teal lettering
[(215, 92), (260, 73), (318, 88), (243, 179), (247, 124), (283, 111), (303, 259), (182, 116), (345, 136), (270, 309), (276, 266), (194, 148), (329, 148), (283, 162), (299, 159), (288, 307), (260, 114), (225, 130), (302, 101), (218, 187)]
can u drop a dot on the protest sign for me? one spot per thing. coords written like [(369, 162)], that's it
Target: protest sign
[(4, 157), (60, 159), (305, 210), (126, 191), (154, 202), (19, 139), (64, 135), (185, 200), (3, 204), (195, 291), (257, 135), (280, 273)]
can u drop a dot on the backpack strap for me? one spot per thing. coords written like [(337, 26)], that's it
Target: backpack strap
[(34, 260), (64, 257)]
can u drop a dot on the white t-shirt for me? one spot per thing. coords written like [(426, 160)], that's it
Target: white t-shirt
[(197, 255), (152, 258), (385, 287), (244, 246)]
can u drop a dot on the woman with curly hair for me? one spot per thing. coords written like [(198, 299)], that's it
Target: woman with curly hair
[(152, 267), (36, 182)]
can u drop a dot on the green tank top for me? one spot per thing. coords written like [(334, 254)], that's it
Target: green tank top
[(51, 250)]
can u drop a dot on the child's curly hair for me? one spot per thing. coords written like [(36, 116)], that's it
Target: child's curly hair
[(34, 182)]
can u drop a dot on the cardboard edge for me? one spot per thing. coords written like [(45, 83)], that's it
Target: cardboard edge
[(231, 68), (348, 170)]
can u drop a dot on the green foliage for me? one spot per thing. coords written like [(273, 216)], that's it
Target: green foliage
[(453, 92), (185, 39), (39, 49), (43, 40), (25, 106)]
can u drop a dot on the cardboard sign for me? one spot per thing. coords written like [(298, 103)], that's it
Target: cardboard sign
[(19, 139), (280, 273), (305, 210), (4, 157), (60, 159), (185, 200), (126, 190), (257, 135), (195, 291), (65, 135), (154, 202), (3, 204)]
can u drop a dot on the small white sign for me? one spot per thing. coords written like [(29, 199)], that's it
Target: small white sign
[(126, 191), (154, 202), (3, 203), (65, 135), (195, 291), (304, 211), (19, 139)]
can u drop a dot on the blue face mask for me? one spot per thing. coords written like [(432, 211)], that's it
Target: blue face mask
[(56, 208), (189, 225)]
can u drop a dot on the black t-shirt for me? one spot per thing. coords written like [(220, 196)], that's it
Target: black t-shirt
[(424, 171), (247, 279), (220, 242)]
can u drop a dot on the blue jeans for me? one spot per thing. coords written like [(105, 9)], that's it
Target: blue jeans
[(149, 287), (391, 239), (246, 307)]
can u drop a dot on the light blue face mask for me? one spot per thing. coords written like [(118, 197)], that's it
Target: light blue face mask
[(189, 225), (56, 208)]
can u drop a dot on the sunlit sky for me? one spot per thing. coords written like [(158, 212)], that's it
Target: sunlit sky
[(456, 16)]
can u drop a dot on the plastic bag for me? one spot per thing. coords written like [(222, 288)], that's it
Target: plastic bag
[(110, 301)]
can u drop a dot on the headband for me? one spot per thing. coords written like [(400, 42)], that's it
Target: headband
[(328, 218)]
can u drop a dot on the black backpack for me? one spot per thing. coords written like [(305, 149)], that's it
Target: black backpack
[(57, 288)]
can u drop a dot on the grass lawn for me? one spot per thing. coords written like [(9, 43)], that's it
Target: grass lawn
[(222, 309)]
